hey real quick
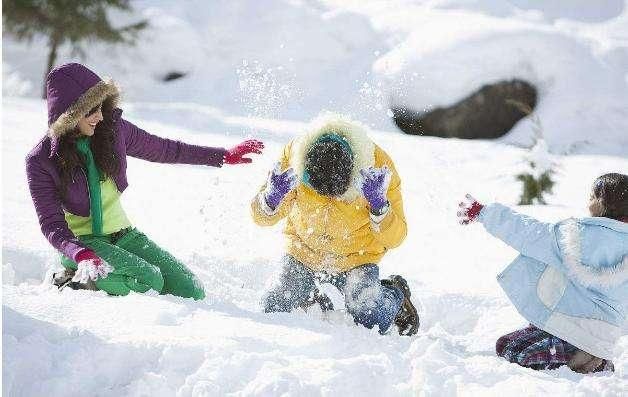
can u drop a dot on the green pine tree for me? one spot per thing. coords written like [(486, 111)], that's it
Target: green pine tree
[(535, 188), (67, 21), (538, 181)]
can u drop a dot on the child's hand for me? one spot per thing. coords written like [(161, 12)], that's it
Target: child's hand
[(279, 185), (469, 210), (374, 186), (236, 154)]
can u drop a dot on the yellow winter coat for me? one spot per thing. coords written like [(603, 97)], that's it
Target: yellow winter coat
[(336, 234)]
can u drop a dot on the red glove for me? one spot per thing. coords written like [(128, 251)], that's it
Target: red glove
[(90, 267), (86, 255), (236, 153), (469, 210)]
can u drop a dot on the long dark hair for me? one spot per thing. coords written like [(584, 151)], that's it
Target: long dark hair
[(102, 145)]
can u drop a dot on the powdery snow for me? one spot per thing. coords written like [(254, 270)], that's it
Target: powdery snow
[(85, 343), (263, 70), (292, 59)]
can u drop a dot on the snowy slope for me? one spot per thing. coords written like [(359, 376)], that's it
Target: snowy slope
[(80, 343), (291, 58), (575, 53)]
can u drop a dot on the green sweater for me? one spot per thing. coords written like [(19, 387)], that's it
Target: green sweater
[(106, 213)]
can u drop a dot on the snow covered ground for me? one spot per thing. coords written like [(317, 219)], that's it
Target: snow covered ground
[(83, 343), (263, 69)]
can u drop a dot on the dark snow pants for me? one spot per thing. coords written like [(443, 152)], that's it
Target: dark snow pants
[(366, 299), (139, 265), (534, 348)]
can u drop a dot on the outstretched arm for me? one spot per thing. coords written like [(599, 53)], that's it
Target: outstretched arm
[(527, 235), (145, 146)]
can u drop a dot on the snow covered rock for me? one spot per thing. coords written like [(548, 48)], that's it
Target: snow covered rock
[(485, 114)]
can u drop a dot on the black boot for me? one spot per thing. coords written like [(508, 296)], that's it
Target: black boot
[(407, 319)]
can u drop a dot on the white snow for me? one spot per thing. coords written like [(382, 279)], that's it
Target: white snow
[(290, 59), (84, 343), (263, 69), (539, 159)]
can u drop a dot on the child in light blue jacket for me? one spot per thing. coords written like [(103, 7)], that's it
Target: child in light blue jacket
[(570, 280)]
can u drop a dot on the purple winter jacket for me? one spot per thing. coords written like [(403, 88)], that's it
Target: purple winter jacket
[(44, 179)]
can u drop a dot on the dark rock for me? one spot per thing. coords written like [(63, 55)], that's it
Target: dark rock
[(488, 113), (174, 75)]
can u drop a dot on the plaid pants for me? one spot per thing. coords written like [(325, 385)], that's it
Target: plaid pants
[(534, 348)]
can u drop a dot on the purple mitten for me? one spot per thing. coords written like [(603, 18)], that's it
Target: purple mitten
[(278, 185), (374, 185)]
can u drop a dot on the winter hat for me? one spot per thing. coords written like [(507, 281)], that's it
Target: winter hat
[(328, 165), (72, 90)]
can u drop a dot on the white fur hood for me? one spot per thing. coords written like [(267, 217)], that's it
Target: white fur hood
[(595, 251), (354, 133)]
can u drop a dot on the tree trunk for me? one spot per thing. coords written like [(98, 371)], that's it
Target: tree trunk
[(53, 44)]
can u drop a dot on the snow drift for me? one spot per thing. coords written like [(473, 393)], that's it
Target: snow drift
[(263, 70), (290, 59), (84, 343)]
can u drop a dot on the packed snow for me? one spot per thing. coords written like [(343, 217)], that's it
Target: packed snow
[(85, 343), (263, 69)]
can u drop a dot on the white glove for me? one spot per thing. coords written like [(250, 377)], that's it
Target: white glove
[(91, 269)]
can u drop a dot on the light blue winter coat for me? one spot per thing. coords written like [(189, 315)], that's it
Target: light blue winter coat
[(571, 278)]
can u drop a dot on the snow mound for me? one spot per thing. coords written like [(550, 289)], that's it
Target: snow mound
[(447, 51), (292, 59)]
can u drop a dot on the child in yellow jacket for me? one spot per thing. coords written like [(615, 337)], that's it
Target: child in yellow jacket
[(341, 197)]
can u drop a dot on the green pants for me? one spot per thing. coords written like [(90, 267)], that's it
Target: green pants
[(139, 265)]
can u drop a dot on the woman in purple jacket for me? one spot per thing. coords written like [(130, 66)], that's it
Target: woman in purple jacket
[(77, 173)]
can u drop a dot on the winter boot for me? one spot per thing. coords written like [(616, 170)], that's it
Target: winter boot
[(63, 279), (585, 363), (407, 319), (318, 298)]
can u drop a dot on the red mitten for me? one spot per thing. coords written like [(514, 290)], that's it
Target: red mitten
[(236, 153), (469, 210)]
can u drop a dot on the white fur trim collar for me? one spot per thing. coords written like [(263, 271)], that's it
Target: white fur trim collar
[(353, 132), (570, 242)]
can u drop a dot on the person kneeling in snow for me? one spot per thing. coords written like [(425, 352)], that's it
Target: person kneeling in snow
[(341, 195), (77, 173), (570, 281)]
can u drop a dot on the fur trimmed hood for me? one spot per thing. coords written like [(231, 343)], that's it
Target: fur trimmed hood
[(354, 133), (72, 90), (590, 270)]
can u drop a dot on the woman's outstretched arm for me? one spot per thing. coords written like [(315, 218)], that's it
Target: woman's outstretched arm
[(145, 146)]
